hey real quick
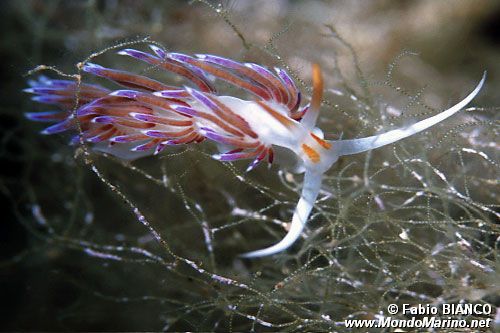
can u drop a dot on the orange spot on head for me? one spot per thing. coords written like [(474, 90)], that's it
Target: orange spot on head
[(311, 153), (321, 142)]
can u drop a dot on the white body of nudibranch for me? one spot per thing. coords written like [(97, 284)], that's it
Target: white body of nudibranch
[(273, 126)]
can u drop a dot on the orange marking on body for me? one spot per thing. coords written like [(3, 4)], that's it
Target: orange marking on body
[(281, 118), (311, 153), (321, 142)]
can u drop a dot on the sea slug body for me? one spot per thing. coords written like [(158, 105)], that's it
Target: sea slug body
[(147, 116)]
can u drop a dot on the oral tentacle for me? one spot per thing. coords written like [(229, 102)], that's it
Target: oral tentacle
[(310, 191), (354, 146)]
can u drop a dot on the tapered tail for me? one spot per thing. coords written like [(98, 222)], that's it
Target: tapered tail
[(310, 191), (354, 146)]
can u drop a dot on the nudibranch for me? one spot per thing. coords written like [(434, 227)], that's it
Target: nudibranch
[(148, 115)]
